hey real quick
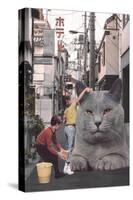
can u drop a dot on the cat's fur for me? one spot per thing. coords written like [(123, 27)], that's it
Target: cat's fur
[(100, 141)]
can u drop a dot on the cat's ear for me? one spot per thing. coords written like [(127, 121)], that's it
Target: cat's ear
[(79, 86), (115, 91)]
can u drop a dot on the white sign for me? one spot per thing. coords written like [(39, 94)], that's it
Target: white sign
[(49, 42)]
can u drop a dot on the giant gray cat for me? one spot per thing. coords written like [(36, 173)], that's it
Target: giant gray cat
[(101, 139)]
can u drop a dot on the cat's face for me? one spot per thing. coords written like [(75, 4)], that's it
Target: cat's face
[(102, 117)]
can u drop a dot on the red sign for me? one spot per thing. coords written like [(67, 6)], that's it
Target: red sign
[(60, 32)]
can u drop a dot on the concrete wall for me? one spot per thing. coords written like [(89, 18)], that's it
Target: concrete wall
[(112, 54), (43, 79), (111, 66), (125, 38), (44, 108), (38, 51)]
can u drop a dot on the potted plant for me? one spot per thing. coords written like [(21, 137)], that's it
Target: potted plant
[(33, 149), (30, 157), (35, 125)]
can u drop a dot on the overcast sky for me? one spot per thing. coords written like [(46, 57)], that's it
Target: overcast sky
[(74, 20)]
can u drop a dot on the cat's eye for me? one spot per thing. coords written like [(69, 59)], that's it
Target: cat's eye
[(89, 111), (107, 110)]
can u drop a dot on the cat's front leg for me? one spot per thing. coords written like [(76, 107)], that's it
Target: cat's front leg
[(111, 162), (78, 163)]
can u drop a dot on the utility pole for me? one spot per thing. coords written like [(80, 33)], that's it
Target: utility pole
[(92, 51), (85, 46), (47, 10)]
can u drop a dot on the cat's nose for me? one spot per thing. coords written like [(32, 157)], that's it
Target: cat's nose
[(97, 124)]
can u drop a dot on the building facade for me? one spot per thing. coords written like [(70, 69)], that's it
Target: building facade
[(113, 56), (26, 88), (124, 61), (108, 54), (48, 70)]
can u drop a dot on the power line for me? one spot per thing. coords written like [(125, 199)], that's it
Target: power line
[(74, 12), (97, 22)]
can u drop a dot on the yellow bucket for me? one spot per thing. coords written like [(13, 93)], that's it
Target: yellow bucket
[(44, 170)]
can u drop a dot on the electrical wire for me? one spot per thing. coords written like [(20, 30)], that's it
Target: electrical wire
[(97, 22), (74, 12)]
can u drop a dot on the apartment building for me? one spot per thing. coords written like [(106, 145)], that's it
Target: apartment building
[(108, 54)]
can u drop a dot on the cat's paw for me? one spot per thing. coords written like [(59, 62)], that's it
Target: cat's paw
[(78, 163), (111, 162)]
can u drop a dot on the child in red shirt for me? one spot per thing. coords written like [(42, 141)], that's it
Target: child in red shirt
[(48, 148)]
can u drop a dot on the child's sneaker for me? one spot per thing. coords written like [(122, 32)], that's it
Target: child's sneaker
[(67, 169)]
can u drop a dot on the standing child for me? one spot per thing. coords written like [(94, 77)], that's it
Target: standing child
[(70, 126)]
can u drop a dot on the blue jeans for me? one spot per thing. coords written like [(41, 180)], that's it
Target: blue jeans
[(69, 131)]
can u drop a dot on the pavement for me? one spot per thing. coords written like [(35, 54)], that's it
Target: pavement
[(84, 179)]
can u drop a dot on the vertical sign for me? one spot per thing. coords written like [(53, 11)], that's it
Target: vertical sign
[(60, 32), (49, 42)]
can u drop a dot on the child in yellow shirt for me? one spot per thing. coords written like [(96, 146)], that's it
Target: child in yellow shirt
[(70, 122)]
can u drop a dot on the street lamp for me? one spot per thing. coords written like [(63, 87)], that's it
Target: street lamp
[(75, 32)]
